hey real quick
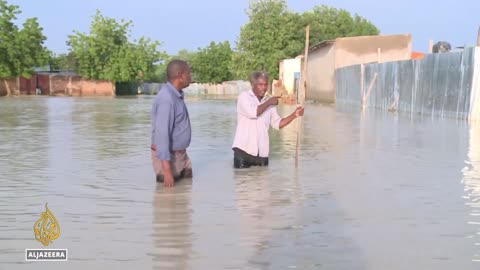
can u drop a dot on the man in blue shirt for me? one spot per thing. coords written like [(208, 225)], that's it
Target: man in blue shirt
[(171, 130)]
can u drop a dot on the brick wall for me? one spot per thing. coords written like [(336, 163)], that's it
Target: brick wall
[(76, 86), (10, 84)]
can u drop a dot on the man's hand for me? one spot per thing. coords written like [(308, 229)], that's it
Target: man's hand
[(299, 111), (273, 101), (153, 147), (168, 180)]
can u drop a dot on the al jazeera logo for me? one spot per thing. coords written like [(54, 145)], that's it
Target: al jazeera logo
[(46, 229)]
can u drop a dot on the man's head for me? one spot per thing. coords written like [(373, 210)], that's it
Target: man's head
[(178, 74), (259, 82)]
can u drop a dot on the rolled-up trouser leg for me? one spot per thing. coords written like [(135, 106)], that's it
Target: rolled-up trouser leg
[(179, 163)]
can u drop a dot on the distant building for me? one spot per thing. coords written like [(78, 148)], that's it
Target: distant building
[(327, 56), (288, 69)]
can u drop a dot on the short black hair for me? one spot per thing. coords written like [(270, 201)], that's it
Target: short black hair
[(255, 75), (176, 67)]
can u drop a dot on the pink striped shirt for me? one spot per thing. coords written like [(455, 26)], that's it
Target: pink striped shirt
[(252, 131)]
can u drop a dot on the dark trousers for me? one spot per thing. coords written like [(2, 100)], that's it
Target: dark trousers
[(241, 159)]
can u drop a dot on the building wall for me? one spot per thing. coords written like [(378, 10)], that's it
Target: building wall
[(76, 86), (230, 88), (324, 60), (43, 83), (288, 68), (10, 84), (27, 85), (438, 84), (96, 88), (321, 74), (363, 50), (225, 89)]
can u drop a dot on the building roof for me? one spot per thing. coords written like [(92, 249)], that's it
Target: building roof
[(58, 73), (326, 43), (321, 45)]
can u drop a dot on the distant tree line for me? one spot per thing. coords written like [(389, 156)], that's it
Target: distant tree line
[(272, 33)]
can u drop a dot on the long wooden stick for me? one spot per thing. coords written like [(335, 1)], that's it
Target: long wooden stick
[(303, 90), (478, 38)]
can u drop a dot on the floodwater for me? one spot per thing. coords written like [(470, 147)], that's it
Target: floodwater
[(373, 190)]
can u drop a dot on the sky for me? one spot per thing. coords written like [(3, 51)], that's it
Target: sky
[(193, 24)]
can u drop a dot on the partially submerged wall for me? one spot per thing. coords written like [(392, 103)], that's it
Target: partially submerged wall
[(76, 86), (9, 86), (230, 88), (439, 84)]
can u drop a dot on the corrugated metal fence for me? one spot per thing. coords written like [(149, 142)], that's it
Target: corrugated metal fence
[(440, 84)]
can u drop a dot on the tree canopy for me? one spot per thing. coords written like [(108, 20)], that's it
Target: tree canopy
[(21, 49), (107, 54), (273, 33), (212, 64)]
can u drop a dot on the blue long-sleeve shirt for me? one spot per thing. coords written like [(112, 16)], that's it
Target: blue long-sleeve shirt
[(171, 130)]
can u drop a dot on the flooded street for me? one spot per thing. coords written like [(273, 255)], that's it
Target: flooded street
[(372, 190)]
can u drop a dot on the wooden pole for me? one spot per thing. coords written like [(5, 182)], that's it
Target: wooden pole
[(362, 82), (303, 90), (478, 37), (305, 63), (430, 46)]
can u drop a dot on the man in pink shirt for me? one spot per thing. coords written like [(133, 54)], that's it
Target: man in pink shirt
[(255, 114)]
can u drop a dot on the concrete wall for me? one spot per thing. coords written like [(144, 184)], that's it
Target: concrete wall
[(150, 88), (225, 89), (362, 50), (76, 86), (439, 84), (96, 88), (287, 70), (325, 59), (57, 85), (321, 74)]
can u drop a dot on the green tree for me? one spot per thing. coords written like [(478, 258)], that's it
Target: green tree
[(20, 49), (106, 53), (160, 70), (266, 38), (274, 33), (184, 55), (157, 73), (328, 23), (212, 64), (62, 61)]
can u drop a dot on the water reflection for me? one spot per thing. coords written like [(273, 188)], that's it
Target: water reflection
[(267, 203), (171, 230), (471, 179), (372, 191)]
